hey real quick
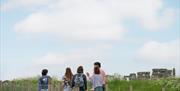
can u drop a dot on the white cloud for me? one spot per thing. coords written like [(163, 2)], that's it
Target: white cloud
[(75, 56), (161, 22), (72, 25), (13, 4), (95, 20), (157, 52), (56, 62), (161, 54)]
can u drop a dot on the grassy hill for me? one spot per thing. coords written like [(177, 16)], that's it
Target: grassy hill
[(30, 84)]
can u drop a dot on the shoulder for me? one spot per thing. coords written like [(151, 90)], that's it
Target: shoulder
[(48, 77), (92, 76), (84, 76), (74, 75), (102, 71)]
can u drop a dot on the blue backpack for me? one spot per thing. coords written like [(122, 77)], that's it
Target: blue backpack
[(79, 81)]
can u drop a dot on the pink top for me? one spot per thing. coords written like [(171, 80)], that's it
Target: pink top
[(103, 75)]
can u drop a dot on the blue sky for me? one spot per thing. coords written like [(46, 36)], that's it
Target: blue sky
[(125, 36)]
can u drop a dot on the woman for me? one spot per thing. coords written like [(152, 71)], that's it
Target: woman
[(97, 80), (67, 78), (79, 80)]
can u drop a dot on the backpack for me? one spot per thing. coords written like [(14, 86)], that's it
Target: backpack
[(79, 81)]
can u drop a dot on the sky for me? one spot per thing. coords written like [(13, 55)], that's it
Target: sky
[(126, 36)]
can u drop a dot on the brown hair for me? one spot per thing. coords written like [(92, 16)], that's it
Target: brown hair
[(96, 70), (68, 74), (80, 69)]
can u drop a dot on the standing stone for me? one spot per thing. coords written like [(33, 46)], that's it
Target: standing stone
[(174, 72)]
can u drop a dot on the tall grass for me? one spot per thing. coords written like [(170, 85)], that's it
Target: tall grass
[(31, 84), (169, 84)]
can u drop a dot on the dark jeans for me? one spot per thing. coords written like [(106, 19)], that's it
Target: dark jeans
[(81, 89), (104, 87)]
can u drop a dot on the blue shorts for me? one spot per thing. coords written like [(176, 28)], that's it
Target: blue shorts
[(98, 88), (44, 89)]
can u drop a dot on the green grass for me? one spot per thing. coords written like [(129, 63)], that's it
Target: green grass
[(170, 84)]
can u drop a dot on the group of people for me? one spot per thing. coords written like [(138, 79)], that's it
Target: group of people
[(77, 82)]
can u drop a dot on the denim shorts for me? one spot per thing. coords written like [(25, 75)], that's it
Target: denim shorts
[(100, 88), (44, 89)]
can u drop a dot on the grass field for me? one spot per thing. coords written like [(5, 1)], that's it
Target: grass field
[(168, 84)]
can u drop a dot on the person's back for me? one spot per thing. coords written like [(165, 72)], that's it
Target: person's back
[(102, 73), (66, 84), (79, 80), (44, 81), (97, 80), (67, 79)]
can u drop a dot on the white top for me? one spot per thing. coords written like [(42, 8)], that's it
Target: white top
[(96, 80)]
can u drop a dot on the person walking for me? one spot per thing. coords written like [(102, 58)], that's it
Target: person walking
[(44, 81), (102, 73), (79, 80), (97, 80), (67, 79)]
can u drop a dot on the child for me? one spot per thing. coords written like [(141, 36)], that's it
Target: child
[(44, 81), (97, 80), (67, 79), (79, 80)]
